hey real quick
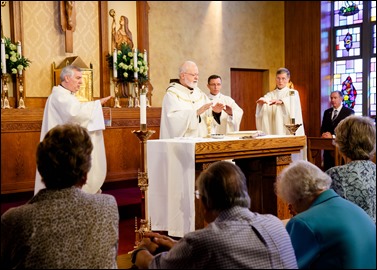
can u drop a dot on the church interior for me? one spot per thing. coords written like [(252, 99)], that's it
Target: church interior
[(243, 41)]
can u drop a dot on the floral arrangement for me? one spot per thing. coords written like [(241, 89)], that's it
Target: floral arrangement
[(125, 65), (14, 61)]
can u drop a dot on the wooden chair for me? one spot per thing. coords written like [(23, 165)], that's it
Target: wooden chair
[(315, 147)]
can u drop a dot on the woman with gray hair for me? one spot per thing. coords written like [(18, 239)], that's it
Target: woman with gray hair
[(328, 232), (356, 180)]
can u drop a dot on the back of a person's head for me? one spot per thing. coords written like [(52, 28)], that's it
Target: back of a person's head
[(64, 156), (356, 137), (301, 180), (223, 185)]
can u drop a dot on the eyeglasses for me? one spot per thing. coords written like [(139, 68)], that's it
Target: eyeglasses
[(193, 74), (215, 84), (197, 194)]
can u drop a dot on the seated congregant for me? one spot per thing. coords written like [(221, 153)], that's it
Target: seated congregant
[(328, 231), (62, 226), (356, 180), (235, 237)]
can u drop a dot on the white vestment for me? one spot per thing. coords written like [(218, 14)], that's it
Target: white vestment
[(228, 123), (62, 107), (178, 113), (271, 119)]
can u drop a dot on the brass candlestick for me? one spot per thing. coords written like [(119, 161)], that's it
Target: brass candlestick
[(136, 89), (143, 134), (4, 94), (21, 102), (116, 91), (130, 95)]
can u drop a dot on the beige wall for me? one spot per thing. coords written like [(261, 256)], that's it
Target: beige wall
[(217, 35)]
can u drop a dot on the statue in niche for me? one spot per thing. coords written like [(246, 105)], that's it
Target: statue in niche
[(122, 35)]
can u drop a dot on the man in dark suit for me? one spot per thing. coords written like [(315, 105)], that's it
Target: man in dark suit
[(331, 119)]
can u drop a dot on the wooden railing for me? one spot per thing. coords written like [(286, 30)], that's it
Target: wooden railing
[(20, 132)]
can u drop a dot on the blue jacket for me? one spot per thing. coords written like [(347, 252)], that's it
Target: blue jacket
[(333, 233)]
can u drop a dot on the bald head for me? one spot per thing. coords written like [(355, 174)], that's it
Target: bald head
[(189, 74)]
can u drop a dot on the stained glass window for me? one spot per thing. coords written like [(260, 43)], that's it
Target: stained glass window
[(341, 36), (354, 54)]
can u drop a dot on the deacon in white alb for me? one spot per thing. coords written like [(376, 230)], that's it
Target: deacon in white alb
[(229, 118)]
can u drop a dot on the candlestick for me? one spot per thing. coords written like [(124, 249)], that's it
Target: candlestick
[(4, 95), (292, 104), (135, 64), (143, 107), (116, 91), (3, 63), (21, 102), (115, 56), (143, 184)]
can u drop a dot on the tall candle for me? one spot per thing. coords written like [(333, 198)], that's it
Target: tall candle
[(145, 57), (143, 109), (115, 56), (135, 64), (19, 49), (292, 104), (3, 63)]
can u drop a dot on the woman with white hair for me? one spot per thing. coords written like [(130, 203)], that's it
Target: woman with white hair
[(328, 231)]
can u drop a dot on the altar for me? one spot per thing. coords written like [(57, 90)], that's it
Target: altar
[(173, 165)]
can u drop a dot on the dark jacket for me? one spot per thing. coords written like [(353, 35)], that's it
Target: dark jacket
[(328, 125)]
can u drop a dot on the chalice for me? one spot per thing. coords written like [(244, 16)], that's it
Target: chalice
[(292, 128)]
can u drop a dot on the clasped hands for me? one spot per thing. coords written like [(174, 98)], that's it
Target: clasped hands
[(154, 241), (263, 100), (326, 135)]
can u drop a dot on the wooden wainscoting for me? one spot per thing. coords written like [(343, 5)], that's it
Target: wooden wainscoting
[(20, 132)]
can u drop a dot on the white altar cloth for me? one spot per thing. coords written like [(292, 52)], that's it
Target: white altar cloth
[(171, 175), (171, 179)]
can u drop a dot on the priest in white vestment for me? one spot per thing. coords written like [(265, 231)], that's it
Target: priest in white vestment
[(276, 108), (185, 107), (62, 106), (229, 119)]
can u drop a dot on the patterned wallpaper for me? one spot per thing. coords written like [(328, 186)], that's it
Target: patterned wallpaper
[(44, 42), (217, 35)]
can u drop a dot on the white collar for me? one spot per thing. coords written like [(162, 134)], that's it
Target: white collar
[(214, 96)]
